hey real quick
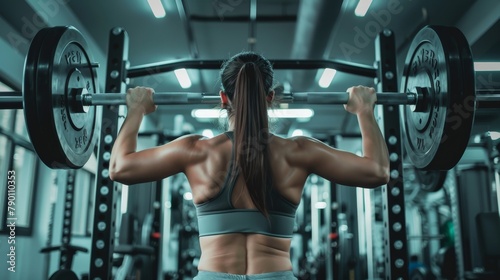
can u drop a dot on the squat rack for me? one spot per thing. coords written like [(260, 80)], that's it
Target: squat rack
[(117, 72)]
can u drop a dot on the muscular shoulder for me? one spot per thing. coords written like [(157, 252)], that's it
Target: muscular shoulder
[(299, 150), (289, 147), (199, 143), (189, 140), (299, 143), (198, 149), (190, 146)]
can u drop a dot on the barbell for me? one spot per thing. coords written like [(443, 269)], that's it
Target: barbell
[(60, 91)]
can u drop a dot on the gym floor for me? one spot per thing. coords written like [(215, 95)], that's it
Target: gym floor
[(49, 213)]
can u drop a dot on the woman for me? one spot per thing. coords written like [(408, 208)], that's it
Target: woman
[(247, 182)]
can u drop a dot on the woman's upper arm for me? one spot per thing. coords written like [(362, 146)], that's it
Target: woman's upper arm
[(339, 166), (156, 163)]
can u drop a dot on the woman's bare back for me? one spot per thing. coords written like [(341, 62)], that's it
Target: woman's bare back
[(244, 253)]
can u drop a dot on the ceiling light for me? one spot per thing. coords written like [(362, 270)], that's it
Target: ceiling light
[(187, 196), (272, 113), (494, 135), (362, 7), (157, 8), (487, 66), (124, 199), (208, 133), (320, 205), (290, 113), (327, 77), (208, 113), (183, 77), (297, 132)]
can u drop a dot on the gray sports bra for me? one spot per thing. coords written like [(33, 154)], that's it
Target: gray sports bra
[(219, 216)]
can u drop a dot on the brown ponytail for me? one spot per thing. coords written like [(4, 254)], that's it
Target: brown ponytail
[(249, 85)]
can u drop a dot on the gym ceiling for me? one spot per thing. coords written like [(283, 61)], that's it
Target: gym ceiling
[(281, 29)]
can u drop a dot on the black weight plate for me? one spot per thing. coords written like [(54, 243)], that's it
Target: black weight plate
[(35, 131), (436, 138), (66, 138), (464, 109), (431, 180)]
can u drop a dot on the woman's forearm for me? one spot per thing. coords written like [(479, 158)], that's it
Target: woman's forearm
[(374, 146), (126, 142)]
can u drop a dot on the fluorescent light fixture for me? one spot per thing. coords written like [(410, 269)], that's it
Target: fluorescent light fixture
[(157, 8), (187, 196), (494, 135), (124, 197), (487, 66), (208, 133), (290, 113), (183, 77), (320, 205), (297, 132), (327, 77), (362, 7), (273, 113), (208, 113)]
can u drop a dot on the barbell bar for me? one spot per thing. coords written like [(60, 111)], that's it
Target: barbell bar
[(438, 82), (490, 100), (15, 100)]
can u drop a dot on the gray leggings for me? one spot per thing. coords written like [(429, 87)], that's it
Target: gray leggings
[(278, 275)]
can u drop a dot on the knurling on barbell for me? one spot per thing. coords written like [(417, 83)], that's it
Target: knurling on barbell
[(439, 63)]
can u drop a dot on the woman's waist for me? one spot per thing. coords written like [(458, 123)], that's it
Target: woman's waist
[(244, 244), (244, 265), (210, 275)]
